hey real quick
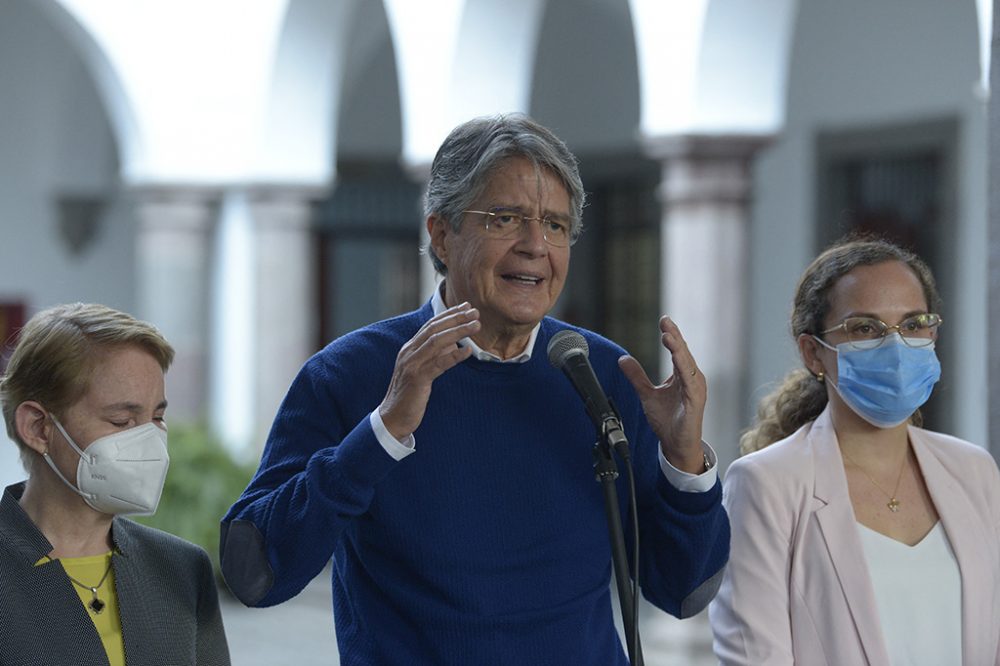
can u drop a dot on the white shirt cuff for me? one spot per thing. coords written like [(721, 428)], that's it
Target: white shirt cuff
[(691, 483), (395, 448)]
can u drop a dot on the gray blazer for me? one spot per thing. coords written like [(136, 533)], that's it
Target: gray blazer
[(166, 590)]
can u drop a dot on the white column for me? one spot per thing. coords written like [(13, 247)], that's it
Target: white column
[(705, 195), (233, 374), (286, 321), (172, 254)]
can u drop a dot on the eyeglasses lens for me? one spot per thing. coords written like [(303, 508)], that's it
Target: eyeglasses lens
[(917, 331), (509, 224)]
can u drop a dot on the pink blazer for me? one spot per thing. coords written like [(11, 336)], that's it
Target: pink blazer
[(797, 589)]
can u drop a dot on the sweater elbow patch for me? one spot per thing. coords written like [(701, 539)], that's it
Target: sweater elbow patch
[(704, 593), (244, 561)]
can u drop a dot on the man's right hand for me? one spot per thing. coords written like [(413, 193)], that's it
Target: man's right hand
[(427, 355)]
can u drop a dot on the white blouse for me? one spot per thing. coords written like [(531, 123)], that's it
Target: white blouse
[(918, 590)]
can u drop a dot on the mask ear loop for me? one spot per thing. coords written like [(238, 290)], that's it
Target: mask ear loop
[(821, 376), (69, 439), (52, 464), (825, 344)]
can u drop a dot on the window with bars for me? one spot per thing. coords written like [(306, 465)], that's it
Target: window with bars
[(614, 278), (368, 242)]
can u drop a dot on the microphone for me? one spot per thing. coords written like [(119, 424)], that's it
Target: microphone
[(568, 351)]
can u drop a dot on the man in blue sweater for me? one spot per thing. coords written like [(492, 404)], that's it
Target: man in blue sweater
[(445, 466)]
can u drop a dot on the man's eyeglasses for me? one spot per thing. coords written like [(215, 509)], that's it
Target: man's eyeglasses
[(505, 224), (868, 332)]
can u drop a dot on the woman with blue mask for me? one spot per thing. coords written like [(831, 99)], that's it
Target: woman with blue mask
[(859, 537), (83, 399)]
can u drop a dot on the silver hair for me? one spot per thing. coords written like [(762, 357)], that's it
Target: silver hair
[(475, 149)]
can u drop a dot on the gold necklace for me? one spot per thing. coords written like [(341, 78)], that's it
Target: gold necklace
[(96, 605), (893, 503)]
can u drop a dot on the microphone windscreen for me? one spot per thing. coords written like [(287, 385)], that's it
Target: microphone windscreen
[(562, 343)]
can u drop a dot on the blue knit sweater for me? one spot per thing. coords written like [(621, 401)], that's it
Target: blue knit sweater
[(489, 544)]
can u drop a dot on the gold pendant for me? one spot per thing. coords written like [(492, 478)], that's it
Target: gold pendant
[(893, 505)]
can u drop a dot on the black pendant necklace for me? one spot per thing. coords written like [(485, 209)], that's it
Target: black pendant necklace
[(96, 605)]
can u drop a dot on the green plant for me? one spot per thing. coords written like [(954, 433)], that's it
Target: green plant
[(202, 483)]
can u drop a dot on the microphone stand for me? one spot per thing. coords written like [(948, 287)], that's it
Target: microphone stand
[(606, 471)]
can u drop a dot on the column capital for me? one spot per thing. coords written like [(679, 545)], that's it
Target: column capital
[(705, 169), (264, 193), (180, 193), (175, 193), (284, 208), (175, 208), (704, 146)]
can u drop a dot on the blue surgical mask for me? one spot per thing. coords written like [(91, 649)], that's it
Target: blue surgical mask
[(884, 385)]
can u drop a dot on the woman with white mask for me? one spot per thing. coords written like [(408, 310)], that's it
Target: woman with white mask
[(858, 537), (83, 398)]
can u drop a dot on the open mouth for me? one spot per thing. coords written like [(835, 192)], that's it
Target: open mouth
[(520, 278)]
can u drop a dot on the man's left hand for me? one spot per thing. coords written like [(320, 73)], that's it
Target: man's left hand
[(675, 409)]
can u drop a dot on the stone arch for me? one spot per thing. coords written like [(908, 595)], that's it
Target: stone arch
[(369, 121), (106, 77), (491, 78), (299, 138), (60, 167), (713, 66), (584, 80), (743, 66)]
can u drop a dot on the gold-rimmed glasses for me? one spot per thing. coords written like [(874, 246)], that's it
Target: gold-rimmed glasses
[(868, 332), (507, 223)]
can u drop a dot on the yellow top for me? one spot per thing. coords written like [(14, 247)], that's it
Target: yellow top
[(88, 571)]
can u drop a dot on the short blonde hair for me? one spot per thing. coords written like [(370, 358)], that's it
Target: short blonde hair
[(58, 350)]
